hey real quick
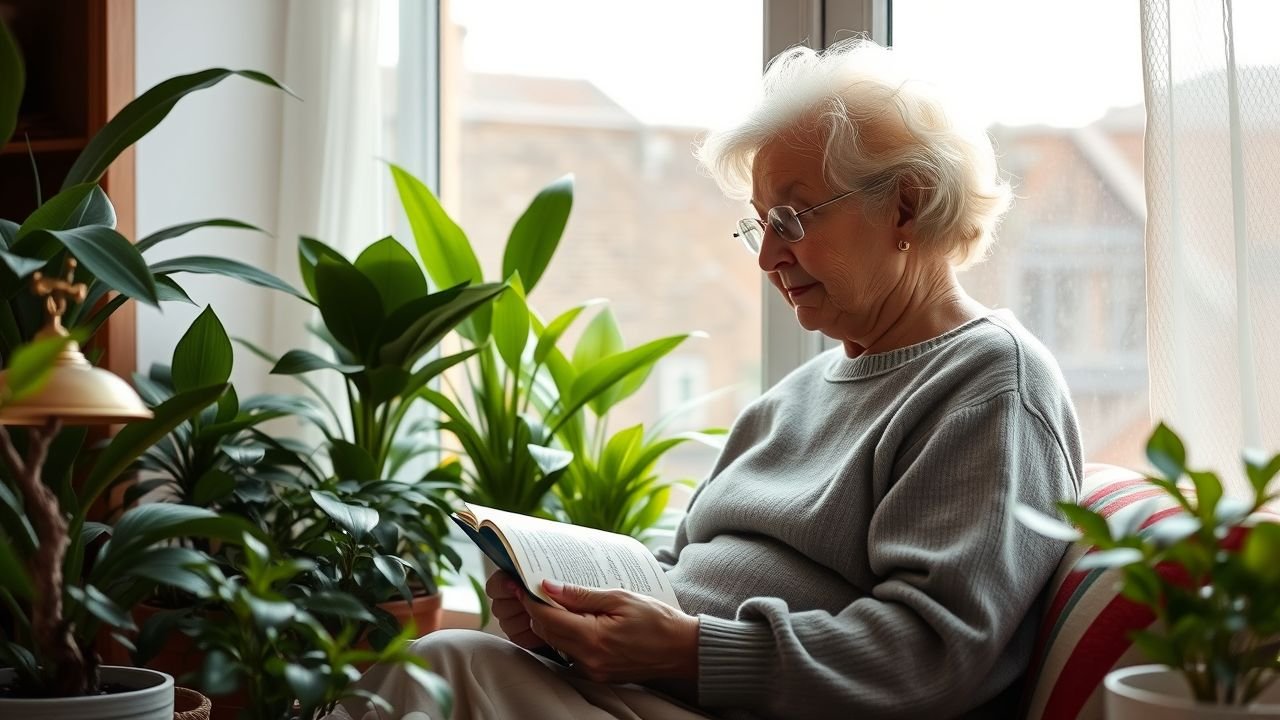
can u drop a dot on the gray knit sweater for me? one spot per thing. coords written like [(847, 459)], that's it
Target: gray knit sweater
[(853, 553)]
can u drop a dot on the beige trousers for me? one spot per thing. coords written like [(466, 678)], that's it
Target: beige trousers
[(493, 679)]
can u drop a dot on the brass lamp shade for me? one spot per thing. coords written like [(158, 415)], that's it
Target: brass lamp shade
[(78, 394)]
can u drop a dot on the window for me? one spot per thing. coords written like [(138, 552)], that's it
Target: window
[(1067, 117)]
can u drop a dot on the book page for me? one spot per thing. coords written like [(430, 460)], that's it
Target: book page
[(545, 549)]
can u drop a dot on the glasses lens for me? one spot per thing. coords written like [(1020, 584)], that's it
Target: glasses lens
[(783, 220), (752, 233)]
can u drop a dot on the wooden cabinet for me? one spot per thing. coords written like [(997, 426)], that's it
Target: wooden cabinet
[(79, 57)]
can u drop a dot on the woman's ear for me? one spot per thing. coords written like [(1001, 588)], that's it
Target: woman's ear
[(906, 207)]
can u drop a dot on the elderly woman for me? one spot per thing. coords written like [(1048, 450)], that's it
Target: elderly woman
[(853, 554)]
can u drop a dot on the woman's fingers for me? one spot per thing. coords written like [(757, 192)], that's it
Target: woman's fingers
[(500, 586)]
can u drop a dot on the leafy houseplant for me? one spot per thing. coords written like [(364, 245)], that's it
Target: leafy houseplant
[(612, 482), (1210, 575), (374, 534), (522, 390), (275, 643)]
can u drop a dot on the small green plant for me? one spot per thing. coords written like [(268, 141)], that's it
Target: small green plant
[(1210, 575), (280, 646)]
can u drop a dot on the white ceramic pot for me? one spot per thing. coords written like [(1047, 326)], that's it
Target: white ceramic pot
[(151, 700), (1155, 692)]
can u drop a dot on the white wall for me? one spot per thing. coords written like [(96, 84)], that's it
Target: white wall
[(216, 155)]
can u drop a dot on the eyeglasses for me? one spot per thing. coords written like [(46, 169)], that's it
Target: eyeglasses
[(783, 219)]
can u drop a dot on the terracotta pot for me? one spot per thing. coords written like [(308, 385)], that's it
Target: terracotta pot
[(1156, 692), (426, 611), (151, 699)]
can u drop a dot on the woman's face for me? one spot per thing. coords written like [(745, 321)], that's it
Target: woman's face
[(841, 274)]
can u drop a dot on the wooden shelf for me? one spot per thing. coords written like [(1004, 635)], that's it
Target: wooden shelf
[(19, 147)]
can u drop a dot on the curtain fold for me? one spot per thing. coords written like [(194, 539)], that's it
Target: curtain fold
[(1213, 226), (330, 140)]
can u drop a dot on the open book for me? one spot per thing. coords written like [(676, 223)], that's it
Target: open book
[(531, 550)]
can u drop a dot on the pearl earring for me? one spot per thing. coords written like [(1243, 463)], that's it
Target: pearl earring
[(903, 246)]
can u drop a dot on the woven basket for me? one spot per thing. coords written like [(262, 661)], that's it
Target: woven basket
[(190, 705)]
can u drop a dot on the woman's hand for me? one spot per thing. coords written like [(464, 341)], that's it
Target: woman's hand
[(509, 611), (616, 636)]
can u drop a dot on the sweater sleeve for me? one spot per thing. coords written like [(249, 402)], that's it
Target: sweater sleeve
[(956, 576)]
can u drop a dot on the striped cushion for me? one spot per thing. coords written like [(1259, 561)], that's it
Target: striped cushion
[(1084, 633)]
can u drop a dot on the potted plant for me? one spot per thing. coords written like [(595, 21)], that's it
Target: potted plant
[(521, 391), (612, 483), (1210, 578), (290, 652), (375, 533), (67, 577)]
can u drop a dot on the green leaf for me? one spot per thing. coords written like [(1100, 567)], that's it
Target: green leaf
[(1260, 470), (599, 340), (1174, 529), (393, 271), (426, 329), (352, 462), (443, 247), (385, 384), (537, 233), (1166, 452), (29, 368), (337, 604), (170, 566), (228, 406), (549, 460), (1208, 493), (355, 520), (203, 355), (15, 576), (206, 265), (310, 252), (549, 336), (135, 438), (174, 231), (392, 568), (101, 606), (270, 613), (219, 675), (168, 290), (350, 305), (20, 266), (605, 373), (511, 323), (302, 361), (14, 82), (1261, 552), (429, 371), (57, 213), (1115, 557), (1045, 525), (111, 258), (141, 115), (212, 487), (1094, 526), (308, 685)]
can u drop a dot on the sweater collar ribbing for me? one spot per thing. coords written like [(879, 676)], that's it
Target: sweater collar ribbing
[(845, 369)]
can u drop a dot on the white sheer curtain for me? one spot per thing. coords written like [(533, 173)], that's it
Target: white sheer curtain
[(1212, 72), (330, 174)]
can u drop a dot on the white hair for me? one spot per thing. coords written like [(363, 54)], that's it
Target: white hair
[(888, 138)]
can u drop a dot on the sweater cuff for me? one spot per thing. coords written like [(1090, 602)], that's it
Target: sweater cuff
[(735, 662)]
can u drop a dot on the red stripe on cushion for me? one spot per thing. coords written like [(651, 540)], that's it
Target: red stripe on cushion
[(1109, 488), (1128, 499), (1160, 515), (1092, 658)]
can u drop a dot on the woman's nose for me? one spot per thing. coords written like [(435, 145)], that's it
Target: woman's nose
[(775, 253)]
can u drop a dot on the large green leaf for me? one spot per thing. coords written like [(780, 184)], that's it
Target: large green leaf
[(351, 462), (110, 257), (350, 305), (141, 115), (444, 248), (511, 323), (148, 524), (393, 271), (355, 520), (301, 361), (428, 329), (75, 207), (550, 335), (310, 251), (174, 231), (611, 370), (13, 79), (204, 264), (203, 356), (536, 234), (1167, 453), (135, 438)]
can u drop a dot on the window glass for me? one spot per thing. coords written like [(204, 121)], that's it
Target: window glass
[(616, 95), (1059, 86)]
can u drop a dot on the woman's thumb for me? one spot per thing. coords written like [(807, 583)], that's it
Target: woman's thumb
[(577, 598)]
